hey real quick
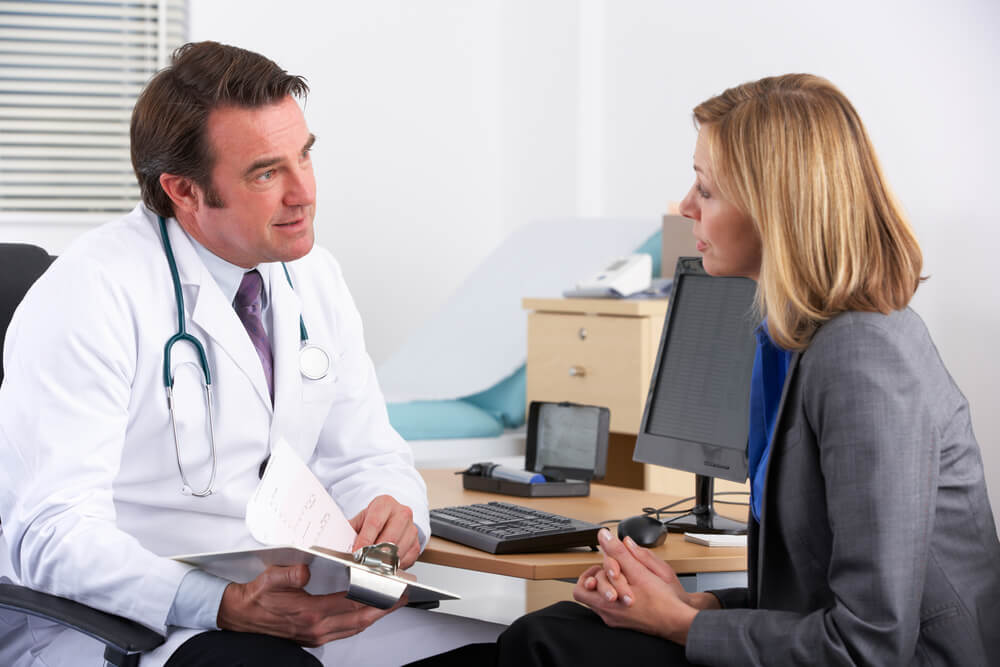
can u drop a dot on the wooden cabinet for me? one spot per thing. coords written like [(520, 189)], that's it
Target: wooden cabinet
[(597, 352), (594, 351), (602, 352)]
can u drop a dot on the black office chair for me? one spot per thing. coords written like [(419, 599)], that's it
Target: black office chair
[(124, 640)]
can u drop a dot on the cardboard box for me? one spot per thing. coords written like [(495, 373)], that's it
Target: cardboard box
[(678, 241)]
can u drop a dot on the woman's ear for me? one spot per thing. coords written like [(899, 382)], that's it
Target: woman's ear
[(183, 192)]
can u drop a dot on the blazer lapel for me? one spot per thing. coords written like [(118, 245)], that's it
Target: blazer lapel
[(792, 368), (208, 308)]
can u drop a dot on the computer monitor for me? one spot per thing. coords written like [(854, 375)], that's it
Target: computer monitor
[(697, 409)]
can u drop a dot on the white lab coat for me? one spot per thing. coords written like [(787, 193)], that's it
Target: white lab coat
[(89, 488)]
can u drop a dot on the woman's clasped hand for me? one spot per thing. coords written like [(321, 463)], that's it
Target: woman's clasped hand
[(635, 589)]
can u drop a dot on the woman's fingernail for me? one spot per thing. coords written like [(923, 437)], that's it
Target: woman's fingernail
[(630, 542), (611, 574), (627, 600), (609, 595), (604, 534)]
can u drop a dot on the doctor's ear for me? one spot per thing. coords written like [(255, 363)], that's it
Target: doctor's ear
[(183, 192)]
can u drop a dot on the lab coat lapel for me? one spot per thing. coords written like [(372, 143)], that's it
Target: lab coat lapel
[(792, 367), (286, 308), (209, 309)]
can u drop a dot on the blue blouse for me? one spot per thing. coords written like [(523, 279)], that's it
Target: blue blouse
[(770, 366)]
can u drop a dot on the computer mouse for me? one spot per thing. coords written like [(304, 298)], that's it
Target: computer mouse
[(646, 531)]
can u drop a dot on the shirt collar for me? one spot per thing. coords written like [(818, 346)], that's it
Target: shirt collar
[(227, 275)]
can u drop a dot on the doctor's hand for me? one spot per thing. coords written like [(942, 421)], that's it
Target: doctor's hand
[(386, 520), (634, 589), (275, 604)]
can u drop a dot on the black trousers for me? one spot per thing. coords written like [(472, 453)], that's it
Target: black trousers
[(222, 648), (564, 634)]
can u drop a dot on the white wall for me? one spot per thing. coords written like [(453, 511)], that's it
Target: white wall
[(405, 105), (444, 124), (922, 77)]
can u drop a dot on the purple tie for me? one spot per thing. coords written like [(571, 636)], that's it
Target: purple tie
[(248, 307)]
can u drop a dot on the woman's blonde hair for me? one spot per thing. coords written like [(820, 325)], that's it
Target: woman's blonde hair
[(792, 153)]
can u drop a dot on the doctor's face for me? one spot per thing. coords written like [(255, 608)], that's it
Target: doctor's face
[(727, 238), (263, 179)]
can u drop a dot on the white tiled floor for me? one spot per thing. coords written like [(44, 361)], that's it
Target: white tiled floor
[(488, 597)]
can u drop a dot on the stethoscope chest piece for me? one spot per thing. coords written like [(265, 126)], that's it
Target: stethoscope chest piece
[(314, 362)]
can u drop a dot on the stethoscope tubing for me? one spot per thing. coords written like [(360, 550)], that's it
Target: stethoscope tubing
[(316, 368), (183, 336)]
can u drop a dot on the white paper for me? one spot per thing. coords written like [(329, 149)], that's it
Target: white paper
[(716, 540), (296, 518), (290, 506)]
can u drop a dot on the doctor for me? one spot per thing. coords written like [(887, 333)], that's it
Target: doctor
[(101, 477)]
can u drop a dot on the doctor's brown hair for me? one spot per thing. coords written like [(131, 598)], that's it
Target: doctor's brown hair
[(792, 154), (171, 114)]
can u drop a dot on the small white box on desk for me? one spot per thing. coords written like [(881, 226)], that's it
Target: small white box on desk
[(716, 540)]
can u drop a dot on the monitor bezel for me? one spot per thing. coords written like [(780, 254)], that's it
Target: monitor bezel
[(729, 463)]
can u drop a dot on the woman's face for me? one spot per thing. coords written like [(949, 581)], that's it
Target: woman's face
[(727, 239)]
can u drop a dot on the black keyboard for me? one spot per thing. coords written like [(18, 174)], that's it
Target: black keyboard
[(505, 528)]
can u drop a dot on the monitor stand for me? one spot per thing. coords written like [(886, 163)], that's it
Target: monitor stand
[(703, 518)]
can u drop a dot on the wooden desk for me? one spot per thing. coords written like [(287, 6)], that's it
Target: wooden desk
[(444, 489)]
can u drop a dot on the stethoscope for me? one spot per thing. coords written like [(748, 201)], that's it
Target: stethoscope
[(314, 363)]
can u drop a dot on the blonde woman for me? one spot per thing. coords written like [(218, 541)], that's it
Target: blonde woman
[(871, 539)]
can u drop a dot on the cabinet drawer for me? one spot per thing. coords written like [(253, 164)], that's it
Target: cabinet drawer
[(593, 359)]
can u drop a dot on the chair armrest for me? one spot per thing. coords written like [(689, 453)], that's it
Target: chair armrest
[(118, 634)]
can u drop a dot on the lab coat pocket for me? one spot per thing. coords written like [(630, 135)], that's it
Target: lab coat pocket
[(353, 373), (317, 398), (318, 392)]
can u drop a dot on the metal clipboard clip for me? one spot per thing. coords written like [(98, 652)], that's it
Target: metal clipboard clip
[(373, 579)]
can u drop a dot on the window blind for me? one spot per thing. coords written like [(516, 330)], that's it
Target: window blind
[(70, 73)]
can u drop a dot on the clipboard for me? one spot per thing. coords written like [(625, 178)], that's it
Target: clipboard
[(370, 575)]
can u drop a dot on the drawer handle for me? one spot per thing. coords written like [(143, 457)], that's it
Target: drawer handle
[(577, 371), (582, 333)]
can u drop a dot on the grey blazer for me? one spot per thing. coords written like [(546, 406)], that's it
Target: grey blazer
[(877, 545)]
